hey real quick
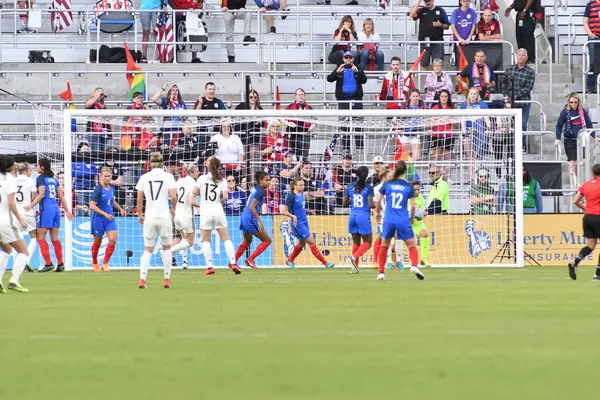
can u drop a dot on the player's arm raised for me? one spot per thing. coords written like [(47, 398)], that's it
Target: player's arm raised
[(63, 201), (579, 201)]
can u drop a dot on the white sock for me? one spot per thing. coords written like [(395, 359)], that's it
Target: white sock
[(399, 250), (3, 262), (230, 250), (184, 255), (31, 248), (18, 267), (145, 264), (389, 254), (206, 250), (183, 245), (167, 263)]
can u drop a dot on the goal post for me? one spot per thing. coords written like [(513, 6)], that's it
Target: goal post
[(483, 225)]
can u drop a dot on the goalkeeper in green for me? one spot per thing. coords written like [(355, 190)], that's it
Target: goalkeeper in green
[(418, 226)]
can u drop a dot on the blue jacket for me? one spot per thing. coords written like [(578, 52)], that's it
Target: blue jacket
[(571, 121)]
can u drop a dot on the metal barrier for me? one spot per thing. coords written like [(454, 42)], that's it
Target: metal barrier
[(545, 56), (588, 154), (571, 37)]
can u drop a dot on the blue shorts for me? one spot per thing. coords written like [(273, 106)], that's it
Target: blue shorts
[(102, 225), (49, 218), (301, 232), (359, 224), (402, 230), (248, 224)]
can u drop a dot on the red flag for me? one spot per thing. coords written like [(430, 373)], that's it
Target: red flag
[(67, 95), (416, 64), (131, 65), (462, 63), (277, 98), (399, 154)]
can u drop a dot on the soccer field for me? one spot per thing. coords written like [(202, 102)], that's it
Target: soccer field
[(303, 334)]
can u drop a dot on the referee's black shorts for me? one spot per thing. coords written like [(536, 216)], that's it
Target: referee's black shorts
[(591, 226)]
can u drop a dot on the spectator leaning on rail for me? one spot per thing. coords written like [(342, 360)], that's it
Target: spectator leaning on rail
[(369, 46), (478, 75), (483, 198), (488, 28), (433, 20), (521, 78), (591, 24), (273, 5), (532, 195), (437, 81), (573, 119), (396, 85), (345, 32), (232, 10), (298, 131), (438, 199), (462, 24), (525, 22), (98, 130), (272, 197)]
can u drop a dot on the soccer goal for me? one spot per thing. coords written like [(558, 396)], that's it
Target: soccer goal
[(468, 163)]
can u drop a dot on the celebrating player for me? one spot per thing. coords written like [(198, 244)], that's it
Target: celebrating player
[(49, 216), (103, 220), (24, 195), (590, 190), (419, 228), (184, 213), (397, 220), (250, 222), (11, 225), (156, 187), (295, 208), (212, 189), (359, 195)]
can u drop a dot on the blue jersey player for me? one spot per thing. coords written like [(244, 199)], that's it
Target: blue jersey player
[(295, 208), (359, 195), (103, 220), (250, 223), (397, 221)]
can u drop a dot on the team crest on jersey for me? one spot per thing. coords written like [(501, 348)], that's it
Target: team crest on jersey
[(479, 241)]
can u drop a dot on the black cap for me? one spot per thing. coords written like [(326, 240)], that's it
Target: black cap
[(348, 156)]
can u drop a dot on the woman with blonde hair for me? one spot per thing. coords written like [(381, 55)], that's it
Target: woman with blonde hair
[(345, 32), (475, 143), (369, 46)]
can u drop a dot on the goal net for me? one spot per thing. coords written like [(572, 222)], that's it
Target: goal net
[(468, 164)]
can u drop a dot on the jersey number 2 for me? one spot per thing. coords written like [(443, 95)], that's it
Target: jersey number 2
[(181, 194)]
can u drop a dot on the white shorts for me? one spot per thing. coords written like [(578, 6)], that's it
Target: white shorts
[(210, 222), (412, 139), (185, 224), (30, 221), (9, 234), (162, 228)]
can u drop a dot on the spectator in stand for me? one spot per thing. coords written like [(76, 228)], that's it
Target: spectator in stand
[(478, 75), (591, 24), (189, 5), (573, 119), (344, 33), (116, 181), (533, 203), (525, 23), (274, 143), (186, 144), (523, 78), (250, 132), (483, 198), (441, 135), (438, 199), (272, 198), (343, 176), (488, 28), (231, 150), (462, 24), (78, 209), (84, 173), (299, 131), (148, 18), (313, 191), (503, 141), (171, 101), (149, 140), (132, 133), (209, 101), (437, 81), (98, 130), (475, 141), (411, 133), (243, 186), (272, 5), (232, 10), (369, 46), (395, 86), (24, 5), (286, 170), (236, 198), (433, 20), (378, 168), (348, 80)]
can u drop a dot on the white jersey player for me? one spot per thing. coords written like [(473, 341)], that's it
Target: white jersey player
[(184, 212), (212, 189), (26, 192), (156, 187), (11, 226)]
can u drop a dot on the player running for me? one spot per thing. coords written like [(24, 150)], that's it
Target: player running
[(11, 226), (157, 187), (359, 195), (418, 226), (250, 222), (48, 219), (103, 220), (590, 190), (184, 212), (295, 208), (397, 220), (212, 189), (26, 192)]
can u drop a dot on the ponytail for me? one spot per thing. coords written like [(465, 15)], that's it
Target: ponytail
[(400, 170), (214, 167), (362, 173)]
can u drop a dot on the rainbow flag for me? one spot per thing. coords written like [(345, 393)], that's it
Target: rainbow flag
[(67, 95), (136, 81)]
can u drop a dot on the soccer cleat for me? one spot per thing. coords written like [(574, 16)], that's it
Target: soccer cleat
[(47, 267), (142, 284), (353, 264), (60, 267), (17, 287), (184, 265), (28, 267), (425, 263), (417, 273), (380, 277), (290, 264), (235, 269), (105, 268), (2, 290), (573, 271), (329, 265), (250, 263), (96, 267), (389, 266), (173, 262), (167, 283), (209, 271), (399, 265), (596, 278)]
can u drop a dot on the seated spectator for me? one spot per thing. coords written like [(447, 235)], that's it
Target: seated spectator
[(478, 75), (395, 86), (131, 129), (272, 5), (231, 150), (488, 28), (272, 197), (483, 198), (532, 195), (188, 5), (437, 81), (438, 198), (462, 24), (171, 101), (298, 131), (316, 203), (149, 140), (274, 143), (98, 130), (411, 132), (344, 33), (441, 135), (186, 144), (286, 170), (209, 101), (343, 176), (236, 198), (243, 186), (251, 131), (369, 46), (378, 167)]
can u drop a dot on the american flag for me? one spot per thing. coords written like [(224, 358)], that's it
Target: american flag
[(322, 171), (165, 36), (63, 17)]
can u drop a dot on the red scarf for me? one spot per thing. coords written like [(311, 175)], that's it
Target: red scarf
[(173, 103), (485, 78)]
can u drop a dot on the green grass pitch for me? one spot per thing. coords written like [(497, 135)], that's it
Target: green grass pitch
[(468, 333)]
